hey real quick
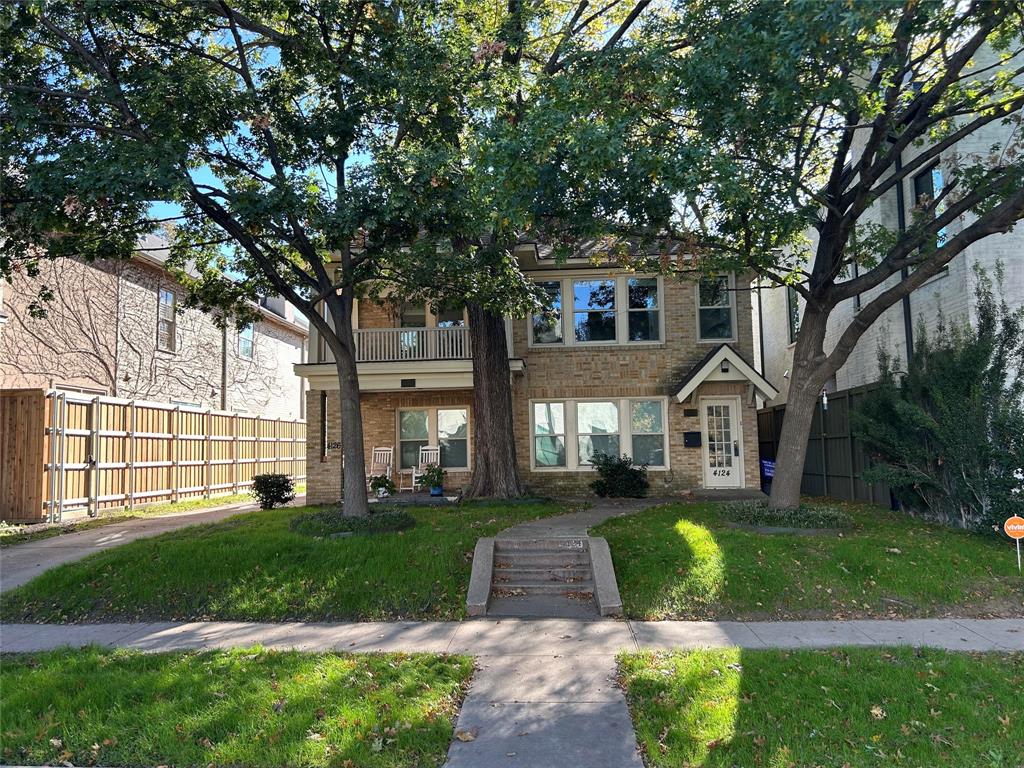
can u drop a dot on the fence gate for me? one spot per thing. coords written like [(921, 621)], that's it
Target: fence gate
[(63, 451)]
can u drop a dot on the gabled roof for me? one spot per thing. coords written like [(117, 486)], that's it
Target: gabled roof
[(737, 369)]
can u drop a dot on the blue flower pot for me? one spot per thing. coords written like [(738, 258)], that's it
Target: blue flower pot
[(436, 490)]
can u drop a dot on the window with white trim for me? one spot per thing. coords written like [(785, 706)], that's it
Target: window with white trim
[(447, 428), (166, 321), (793, 312), (549, 434), (614, 426), (246, 341), (715, 309), (625, 309)]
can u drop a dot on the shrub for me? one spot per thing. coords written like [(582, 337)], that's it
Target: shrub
[(273, 490), (433, 476), (617, 476), (814, 515), (948, 435), (323, 522), (380, 483)]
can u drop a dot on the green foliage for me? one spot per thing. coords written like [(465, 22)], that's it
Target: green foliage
[(273, 490), (433, 476), (325, 522), (616, 476), (245, 706), (380, 483), (948, 434), (807, 515)]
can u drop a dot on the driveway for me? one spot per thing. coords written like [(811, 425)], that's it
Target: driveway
[(22, 562)]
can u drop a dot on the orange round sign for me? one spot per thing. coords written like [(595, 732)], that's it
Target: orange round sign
[(1014, 527)]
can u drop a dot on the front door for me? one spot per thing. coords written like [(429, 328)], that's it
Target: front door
[(723, 442)]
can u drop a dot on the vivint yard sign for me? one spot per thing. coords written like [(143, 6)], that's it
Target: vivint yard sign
[(1014, 528)]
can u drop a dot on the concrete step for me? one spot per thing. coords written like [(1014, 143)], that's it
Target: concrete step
[(572, 574), (534, 587), (543, 606), (558, 544), (527, 559)]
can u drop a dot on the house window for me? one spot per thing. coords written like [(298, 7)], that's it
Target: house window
[(246, 341), (166, 321), (413, 316), (593, 310), (714, 309), (793, 312), (451, 318), (447, 428), (927, 186), (643, 309), (647, 429), (453, 436), (634, 427), (547, 327), (597, 429)]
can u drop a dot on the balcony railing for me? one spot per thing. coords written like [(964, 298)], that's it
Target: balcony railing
[(386, 345)]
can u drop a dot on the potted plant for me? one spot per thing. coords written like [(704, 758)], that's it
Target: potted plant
[(433, 476), (382, 486)]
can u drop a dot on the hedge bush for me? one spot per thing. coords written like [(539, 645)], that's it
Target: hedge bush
[(273, 490), (617, 477)]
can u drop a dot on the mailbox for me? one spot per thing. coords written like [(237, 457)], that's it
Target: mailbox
[(691, 440)]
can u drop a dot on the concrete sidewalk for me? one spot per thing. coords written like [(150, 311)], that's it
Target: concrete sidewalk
[(523, 637), (20, 563)]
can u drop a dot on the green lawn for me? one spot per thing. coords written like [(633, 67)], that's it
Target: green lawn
[(682, 561), (855, 708), (251, 567), (243, 707)]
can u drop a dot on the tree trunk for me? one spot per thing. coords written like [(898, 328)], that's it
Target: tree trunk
[(807, 377), (354, 498), (495, 472)]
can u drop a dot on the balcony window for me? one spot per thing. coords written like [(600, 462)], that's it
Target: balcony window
[(715, 309), (593, 310), (549, 434), (451, 318), (547, 326), (643, 309)]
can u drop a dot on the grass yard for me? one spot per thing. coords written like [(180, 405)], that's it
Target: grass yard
[(251, 567), (857, 708), (682, 561), (242, 707)]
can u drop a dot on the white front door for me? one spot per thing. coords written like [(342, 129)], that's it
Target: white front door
[(723, 442)]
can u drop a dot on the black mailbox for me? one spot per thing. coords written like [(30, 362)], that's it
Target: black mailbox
[(691, 440)]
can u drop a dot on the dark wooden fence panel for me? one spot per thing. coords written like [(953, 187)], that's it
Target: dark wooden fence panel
[(835, 458)]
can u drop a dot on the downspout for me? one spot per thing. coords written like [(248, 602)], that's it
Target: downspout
[(224, 368), (901, 224), (760, 326)]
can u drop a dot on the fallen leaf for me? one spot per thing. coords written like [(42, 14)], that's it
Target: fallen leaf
[(469, 735)]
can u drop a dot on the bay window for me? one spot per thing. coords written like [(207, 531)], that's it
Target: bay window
[(613, 426)]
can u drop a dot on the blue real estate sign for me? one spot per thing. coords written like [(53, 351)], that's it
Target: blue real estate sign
[(767, 468)]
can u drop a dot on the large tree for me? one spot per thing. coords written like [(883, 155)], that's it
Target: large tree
[(295, 138), (786, 125)]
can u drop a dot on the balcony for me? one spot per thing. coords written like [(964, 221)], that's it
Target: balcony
[(392, 345)]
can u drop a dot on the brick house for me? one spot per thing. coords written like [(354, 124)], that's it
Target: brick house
[(649, 366), (116, 328)]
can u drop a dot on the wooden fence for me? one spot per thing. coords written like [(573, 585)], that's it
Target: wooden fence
[(65, 452), (835, 458)]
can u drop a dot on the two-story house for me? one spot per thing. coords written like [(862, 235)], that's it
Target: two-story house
[(118, 328), (652, 367)]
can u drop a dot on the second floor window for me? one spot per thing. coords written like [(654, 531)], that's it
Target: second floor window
[(793, 312), (166, 321), (927, 186), (602, 310), (246, 341), (715, 309)]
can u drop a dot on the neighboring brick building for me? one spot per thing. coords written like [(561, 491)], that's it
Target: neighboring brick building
[(629, 364), (949, 296), (116, 328)]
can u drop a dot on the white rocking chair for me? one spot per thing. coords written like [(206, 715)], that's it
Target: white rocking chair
[(381, 462), (429, 454)]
